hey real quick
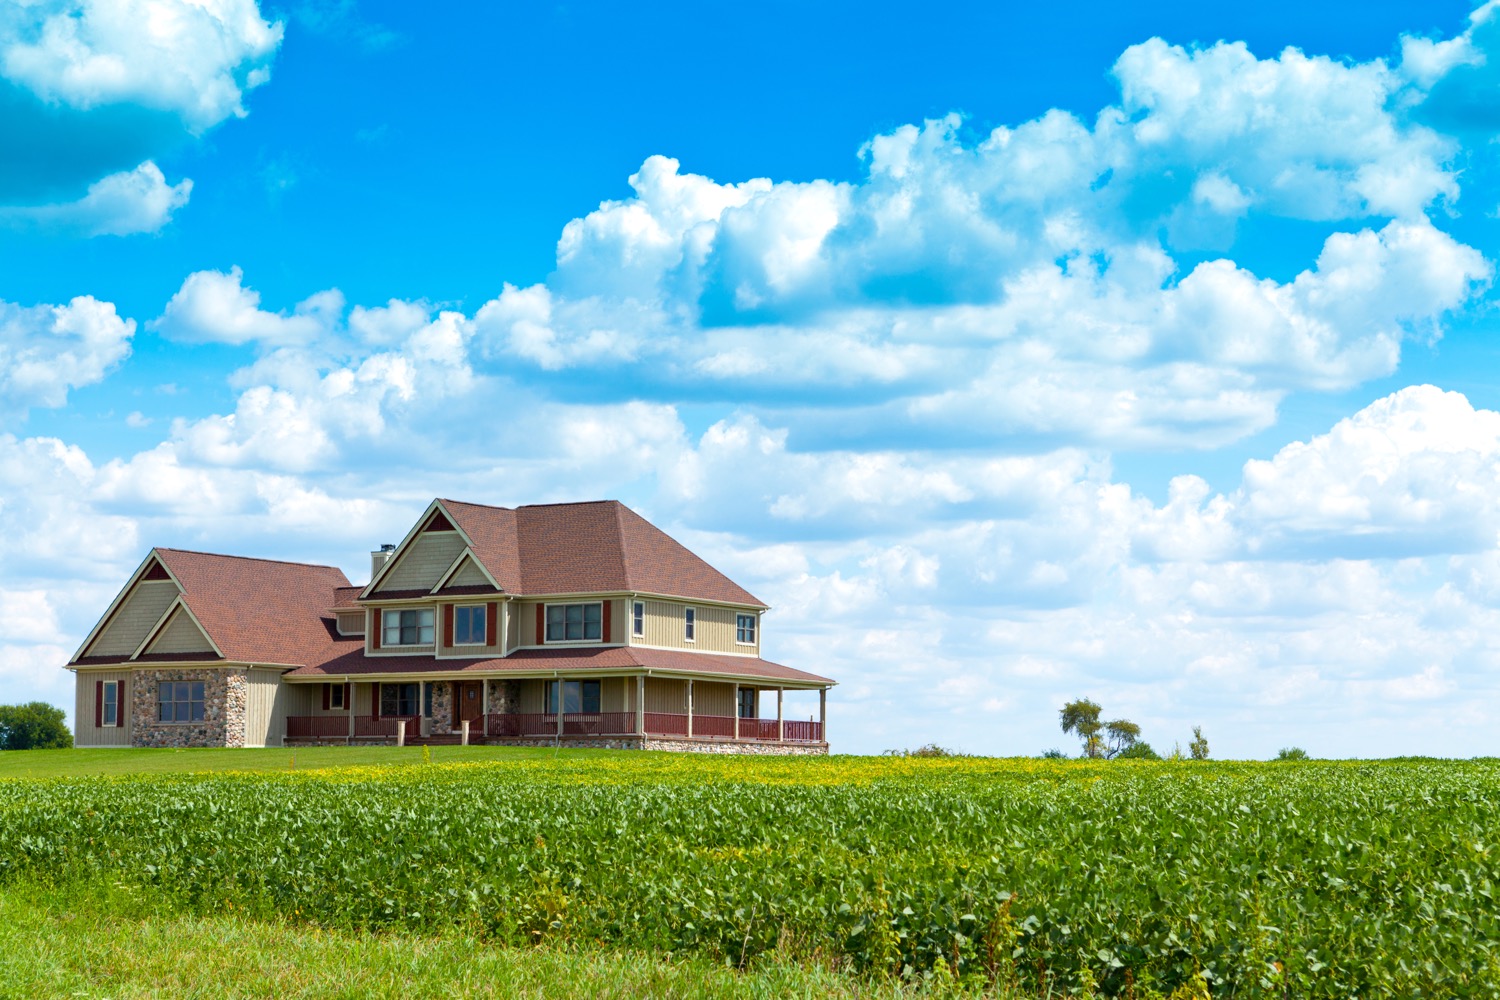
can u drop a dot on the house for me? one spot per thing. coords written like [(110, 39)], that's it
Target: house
[(577, 623)]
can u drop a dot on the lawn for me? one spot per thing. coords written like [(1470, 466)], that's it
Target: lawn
[(82, 763)]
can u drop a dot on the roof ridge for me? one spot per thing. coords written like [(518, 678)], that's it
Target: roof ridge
[(225, 555), (471, 503), (568, 503)]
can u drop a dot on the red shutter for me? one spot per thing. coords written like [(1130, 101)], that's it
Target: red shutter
[(327, 696), (98, 704), (447, 624), (605, 614), (348, 694), (492, 624), (375, 705), (541, 625), (375, 639), (120, 703)]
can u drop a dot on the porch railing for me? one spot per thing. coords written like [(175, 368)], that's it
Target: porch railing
[(573, 724), (666, 724), (370, 727), (317, 727), (804, 732)]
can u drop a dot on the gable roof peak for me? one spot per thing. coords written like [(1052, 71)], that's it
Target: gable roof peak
[(259, 559)]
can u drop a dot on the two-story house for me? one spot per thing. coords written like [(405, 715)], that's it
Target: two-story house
[(579, 623)]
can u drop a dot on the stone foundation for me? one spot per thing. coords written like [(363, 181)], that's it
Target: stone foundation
[(504, 697), (442, 708), (225, 696)]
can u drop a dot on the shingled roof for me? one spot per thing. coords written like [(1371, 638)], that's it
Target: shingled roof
[(600, 546)]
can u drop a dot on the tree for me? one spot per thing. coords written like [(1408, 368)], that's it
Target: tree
[(1081, 717), (1140, 750), (1199, 747), (1291, 753), (35, 726)]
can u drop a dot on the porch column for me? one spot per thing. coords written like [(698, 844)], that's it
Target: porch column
[(690, 708), (484, 706), (350, 706), (823, 713), (559, 706), (780, 723), (736, 710), (640, 704)]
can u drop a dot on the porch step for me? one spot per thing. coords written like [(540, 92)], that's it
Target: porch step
[(437, 740)]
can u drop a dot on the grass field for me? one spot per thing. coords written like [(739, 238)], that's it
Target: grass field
[(85, 763), (1010, 878)]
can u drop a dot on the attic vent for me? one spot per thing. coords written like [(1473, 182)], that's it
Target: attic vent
[(437, 522), (156, 572)]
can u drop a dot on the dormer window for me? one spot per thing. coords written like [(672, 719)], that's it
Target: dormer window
[(411, 627), (574, 622)]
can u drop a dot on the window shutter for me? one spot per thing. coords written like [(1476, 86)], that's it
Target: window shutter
[(447, 624), (541, 625), (606, 612), (98, 704), (492, 624), (120, 703), (348, 694), (327, 696), (375, 640)]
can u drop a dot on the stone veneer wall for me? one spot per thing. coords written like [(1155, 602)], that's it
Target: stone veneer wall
[(225, 704), (504, 697), (442, 707)]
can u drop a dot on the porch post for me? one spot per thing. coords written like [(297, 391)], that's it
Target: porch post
[(736, 710), (463, 729), (640, 704), (484, 706), (401, 732), (559, 707), (823, 713), (780, 723), (690, 708), (350, 706)]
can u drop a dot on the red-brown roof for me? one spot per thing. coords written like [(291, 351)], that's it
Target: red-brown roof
[(580, 548), (254, 610), (347, 597), (351, 662)]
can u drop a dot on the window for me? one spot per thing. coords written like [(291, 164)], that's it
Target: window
[(109, 710), (749, 704), (574, 622), (336, 696), (398, 699), (638, 618), (179, 701), (744, 629), (468, 625), (689, 620), (427, 699), (407, 628), (577, 697)]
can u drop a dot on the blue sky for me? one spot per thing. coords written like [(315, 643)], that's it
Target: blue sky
[(1142, 353)]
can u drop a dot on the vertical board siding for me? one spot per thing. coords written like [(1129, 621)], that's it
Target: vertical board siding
[(351, 622), (710, 698), (533, 696), (666, 695), (182, 635), (267, 704), (133, 619), (85, 733), (425, 560), (713, 629), (495, 646)]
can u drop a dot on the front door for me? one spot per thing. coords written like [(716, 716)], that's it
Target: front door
[(468, 703)]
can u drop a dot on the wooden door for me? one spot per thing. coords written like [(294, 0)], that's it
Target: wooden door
[(468, 702)]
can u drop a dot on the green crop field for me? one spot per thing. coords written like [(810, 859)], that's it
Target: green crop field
[(1014, 878)]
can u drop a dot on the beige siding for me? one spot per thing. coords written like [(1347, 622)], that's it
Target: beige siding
[(533, 696), (525, 618), (425, 560), (182, 635), (617, 694), (351, 622), (663, 695), (710, 698), (469, 575), (268, 703), (714, 628), (496, 646), (85, 733), (134, 618)]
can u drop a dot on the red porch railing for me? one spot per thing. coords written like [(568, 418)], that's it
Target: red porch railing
[(370, 727), (666, 724), (758, 729), (574, 724), (538, 724), (713, 725), (804, 732), (317, 727)]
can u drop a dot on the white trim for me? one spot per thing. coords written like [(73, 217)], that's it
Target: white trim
[(633, 633), (484, 607), (544, 643), (119, 708), (398, 645), (109, 612), (467, 553), (690, 623), (754, 629), (161, 625), (400, 550)]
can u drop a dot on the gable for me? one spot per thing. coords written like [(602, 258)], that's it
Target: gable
[(423, 561), (180, 635), (469, 575), (134, 618)]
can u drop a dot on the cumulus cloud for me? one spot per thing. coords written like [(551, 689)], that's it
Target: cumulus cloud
[(134, 201), (216, 307), (47, 350)]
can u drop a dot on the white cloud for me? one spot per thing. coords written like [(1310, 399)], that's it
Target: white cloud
[(193, 59), (47, 350), (134, 201), (215, 307)]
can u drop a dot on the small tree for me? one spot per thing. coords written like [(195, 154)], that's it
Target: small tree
[(1139, 750), (1199, 747), (1291, 753), (1082, 717), (34, 726)]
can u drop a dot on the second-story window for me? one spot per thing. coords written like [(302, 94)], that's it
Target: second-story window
[(468, 625), (744, 629), (412, 627), (638, 618), (689, 624), (574, 622)]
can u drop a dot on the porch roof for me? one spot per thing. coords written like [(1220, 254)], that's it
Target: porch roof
[(354, 663)]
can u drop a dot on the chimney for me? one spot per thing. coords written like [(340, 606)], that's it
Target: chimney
[(380, 558)]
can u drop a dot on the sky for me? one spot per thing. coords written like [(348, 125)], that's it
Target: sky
[(1011, 353)]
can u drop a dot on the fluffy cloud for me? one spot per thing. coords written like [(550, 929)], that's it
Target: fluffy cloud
[(134, 201), (215, 307), (47, 350)]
